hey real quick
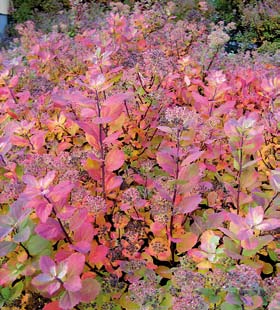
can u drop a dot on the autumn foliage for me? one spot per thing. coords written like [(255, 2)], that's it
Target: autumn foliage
[(139, 167)]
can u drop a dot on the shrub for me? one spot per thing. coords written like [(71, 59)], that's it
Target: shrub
[(139, 166)]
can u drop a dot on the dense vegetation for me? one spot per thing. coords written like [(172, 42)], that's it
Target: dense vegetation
[(139, 162)]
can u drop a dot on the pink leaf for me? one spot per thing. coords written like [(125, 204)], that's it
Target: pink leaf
[(167, 163), (117, 98), (114, 160), (53, 287), (191, 158), (224, 108), (201, 103), (19, 141), (113, 106), (112, 138), (90, 290), (113, 182), (88, 113), (61, 191), (102, 120), (29, 180), (75, 263), (268, 224), (275, 180), (38, 140), (157, 227), (69, 300), (93, 140), (50, 230), (255, 216), (43, 210), (73, 284), (250, 243), (46, 181), (165, 129), (197, 255), (13, 81), (81, 246), (237, 220), (189, 204), (47, 265), (78, 218), (84, 232)]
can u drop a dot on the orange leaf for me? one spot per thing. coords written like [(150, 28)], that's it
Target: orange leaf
[(188, 240)]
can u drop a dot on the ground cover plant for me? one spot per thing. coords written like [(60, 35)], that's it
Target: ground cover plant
[(139, 165)]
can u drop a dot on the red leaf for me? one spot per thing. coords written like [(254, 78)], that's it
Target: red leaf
[(54, 305), (98, 254), (114, 160)]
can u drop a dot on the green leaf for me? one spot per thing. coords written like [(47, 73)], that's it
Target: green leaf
[(273, 256), (167, 301), (6, 293), (250, 163), (17, 290), (38, 246), (211, 295), (141, 91), (19, 171), (226, 306), (263, 241)]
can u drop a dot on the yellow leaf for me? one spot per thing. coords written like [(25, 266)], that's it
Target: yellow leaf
[(204, 265), (164, 272)]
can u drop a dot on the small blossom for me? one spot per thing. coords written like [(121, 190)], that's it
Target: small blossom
[(190, 301), (181, 116), (95, 204), (130, 195), (216, 77), (243, 277), (217, 38)]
